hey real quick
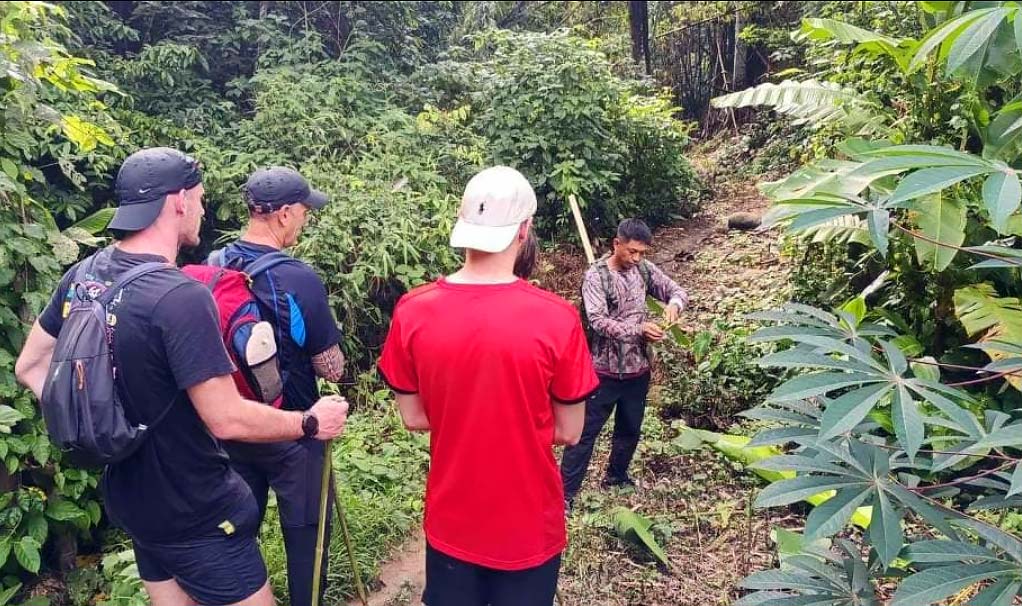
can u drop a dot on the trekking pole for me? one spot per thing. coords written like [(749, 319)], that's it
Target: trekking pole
[(328, 464), (359, 587), (317, 580)]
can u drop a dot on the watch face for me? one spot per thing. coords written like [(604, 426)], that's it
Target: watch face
[(310, 425)]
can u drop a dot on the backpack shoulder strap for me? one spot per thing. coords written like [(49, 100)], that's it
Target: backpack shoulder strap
[(267, 262), (216, 258), (130, 276), (647, 274), (608, 284)]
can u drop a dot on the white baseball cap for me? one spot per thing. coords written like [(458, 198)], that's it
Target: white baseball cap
[(495, 203)]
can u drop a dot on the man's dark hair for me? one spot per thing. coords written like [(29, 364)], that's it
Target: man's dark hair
[(631, 230)]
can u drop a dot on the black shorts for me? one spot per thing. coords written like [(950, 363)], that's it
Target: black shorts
[(454, 582), (224, 566)]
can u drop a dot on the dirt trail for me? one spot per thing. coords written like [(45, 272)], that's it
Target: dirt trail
[(722, 270), (403, 577)]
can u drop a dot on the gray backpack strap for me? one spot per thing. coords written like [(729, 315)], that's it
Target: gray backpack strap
[(216, 258), (130, 276)]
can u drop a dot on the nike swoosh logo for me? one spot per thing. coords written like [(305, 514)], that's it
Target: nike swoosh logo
[(144, 191)]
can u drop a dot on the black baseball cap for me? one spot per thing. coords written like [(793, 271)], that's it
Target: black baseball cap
[(270, 189), (144, 181)]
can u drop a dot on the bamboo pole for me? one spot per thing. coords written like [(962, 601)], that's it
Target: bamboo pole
[(317, 580), (582, 233)]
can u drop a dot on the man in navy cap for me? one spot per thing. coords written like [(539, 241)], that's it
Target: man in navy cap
[(293, 298), (193, 520)]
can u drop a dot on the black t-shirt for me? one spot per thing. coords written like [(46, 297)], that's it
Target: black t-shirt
[(293, 297), (166, 339)]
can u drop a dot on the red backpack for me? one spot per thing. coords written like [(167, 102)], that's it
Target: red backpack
[(239, 320)]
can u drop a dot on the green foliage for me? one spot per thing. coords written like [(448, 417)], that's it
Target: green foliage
[(552, 106), (49, 102), (873, 421), (123, 586), (707, 379), (636, 528)]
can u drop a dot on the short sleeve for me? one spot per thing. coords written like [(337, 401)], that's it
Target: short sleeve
[(52, 318), (396, 365), (320, 328), (189, 323), (574, 378)]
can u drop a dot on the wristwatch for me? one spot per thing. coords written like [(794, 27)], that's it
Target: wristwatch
[(310, 424)]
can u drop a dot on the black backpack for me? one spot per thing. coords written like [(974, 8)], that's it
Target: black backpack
[(81, 407)]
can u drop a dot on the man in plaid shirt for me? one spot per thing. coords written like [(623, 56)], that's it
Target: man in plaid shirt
[(614, 293)]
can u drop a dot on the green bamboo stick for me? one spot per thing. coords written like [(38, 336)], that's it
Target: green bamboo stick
[(321, 528)]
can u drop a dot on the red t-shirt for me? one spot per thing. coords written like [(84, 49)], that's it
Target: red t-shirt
[(488, 360)]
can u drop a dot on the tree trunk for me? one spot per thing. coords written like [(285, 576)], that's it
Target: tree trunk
[(638, 23), (738, 73)]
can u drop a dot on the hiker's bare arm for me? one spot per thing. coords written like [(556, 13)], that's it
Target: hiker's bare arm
[(413, 413), (34, 361), (231, 417), (329, 364), (568, 422)]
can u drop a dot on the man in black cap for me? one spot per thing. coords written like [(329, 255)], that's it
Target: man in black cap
[(192, 519), (293, 298)]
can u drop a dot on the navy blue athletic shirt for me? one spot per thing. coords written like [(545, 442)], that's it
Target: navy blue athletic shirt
[(166, 339), (294, 299)]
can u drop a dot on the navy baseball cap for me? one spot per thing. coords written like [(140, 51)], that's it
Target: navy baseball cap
[(144, 181), (270, 189)]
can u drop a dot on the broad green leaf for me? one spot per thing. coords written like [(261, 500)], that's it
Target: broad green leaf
[(833, 514), (966, 422), (942, 221), (885, 532), (779, 579), (1001, 593), (8, 594), (974, 39), (908, 423), (807, 101), (37, 528), (786, 492), (1018, 31), (990, 318), (10, 168), (632, 526), (97, 221), (940, 551), (816, 384), (926, 368), (1002, 193), (800, 358), (783, 435), (846, 33), (995, 536), (8, 417), (1009, 435), (26, 552), (932, 180), (802, 463), (844, 413), (1016, 481), (5, 551), (946, 32), (879, 225), (63, 511), (935, 584)]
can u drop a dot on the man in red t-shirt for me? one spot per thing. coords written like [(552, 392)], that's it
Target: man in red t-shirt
[(498, 372)]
